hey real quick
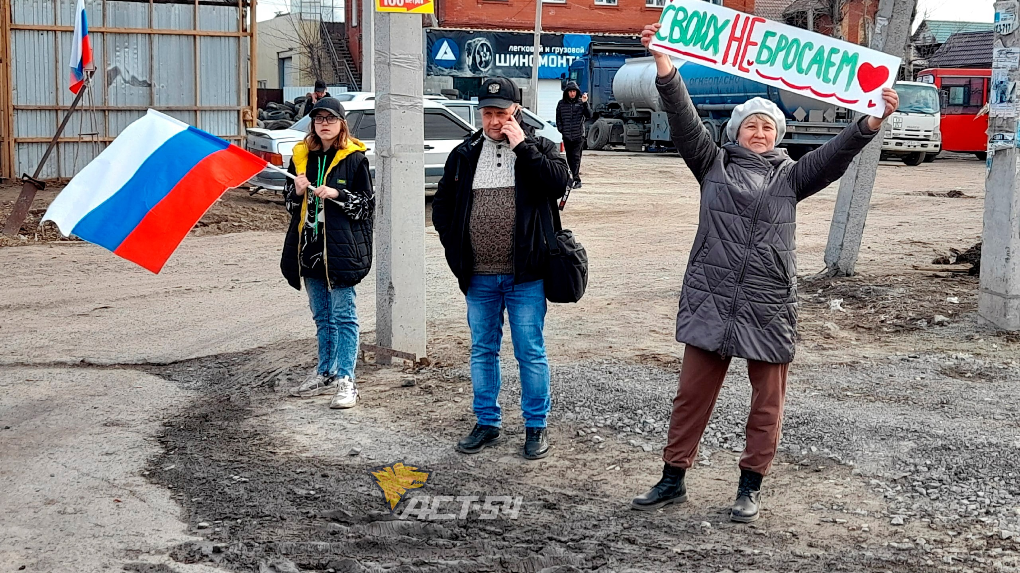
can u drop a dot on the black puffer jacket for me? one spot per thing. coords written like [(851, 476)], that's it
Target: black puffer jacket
[(541, 176), (739, 295), (348, 241), (571, 114)]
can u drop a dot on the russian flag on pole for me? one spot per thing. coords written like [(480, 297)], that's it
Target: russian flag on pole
[(81, 50), (148, 188)]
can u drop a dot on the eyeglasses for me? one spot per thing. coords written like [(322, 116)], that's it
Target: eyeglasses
[(330, 119)]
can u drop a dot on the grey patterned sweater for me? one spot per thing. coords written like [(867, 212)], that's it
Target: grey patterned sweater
[(493, 209)]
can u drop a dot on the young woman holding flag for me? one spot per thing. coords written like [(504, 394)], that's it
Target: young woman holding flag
[(329, 244)]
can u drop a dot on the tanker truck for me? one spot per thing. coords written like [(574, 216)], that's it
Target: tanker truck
[(629, 113)]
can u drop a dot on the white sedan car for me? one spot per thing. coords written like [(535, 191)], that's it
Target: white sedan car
[(471, 113), (444, 130)]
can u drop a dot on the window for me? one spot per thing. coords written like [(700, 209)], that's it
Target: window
[(366, 128), (532, 122), (655, 3), (605, 2), (964, 96), (464, 111), (440, 126), (285, 68)]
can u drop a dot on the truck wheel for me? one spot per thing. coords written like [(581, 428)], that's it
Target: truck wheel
[(913, 159), (981, 155), (929, 157), (598, 135)]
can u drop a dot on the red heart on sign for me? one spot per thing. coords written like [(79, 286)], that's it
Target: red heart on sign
[(870, 77)]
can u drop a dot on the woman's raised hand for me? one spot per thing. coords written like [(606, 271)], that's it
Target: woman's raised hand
[(891, 99), (663, 64)]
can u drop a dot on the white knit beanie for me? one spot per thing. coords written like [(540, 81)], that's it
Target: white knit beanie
[(751, 107)]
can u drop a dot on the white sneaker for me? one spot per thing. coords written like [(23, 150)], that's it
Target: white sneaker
[(316, 384), (346, 394)]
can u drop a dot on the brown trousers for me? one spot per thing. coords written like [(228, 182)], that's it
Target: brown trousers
[(701, 378)]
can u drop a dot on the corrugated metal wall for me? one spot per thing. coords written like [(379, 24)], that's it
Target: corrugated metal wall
[(199, 74)]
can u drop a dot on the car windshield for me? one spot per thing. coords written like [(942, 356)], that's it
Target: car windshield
[(344, 97), (918, 99), (302, 124)]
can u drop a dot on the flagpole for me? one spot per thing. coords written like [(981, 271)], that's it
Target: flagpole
[(281, 171), (32, 185)]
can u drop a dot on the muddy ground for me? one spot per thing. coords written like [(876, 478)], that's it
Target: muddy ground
[(899, 449)]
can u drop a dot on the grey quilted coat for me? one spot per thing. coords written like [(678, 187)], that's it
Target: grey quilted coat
[(739, 296)]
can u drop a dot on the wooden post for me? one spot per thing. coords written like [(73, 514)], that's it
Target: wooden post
[(6, 93)]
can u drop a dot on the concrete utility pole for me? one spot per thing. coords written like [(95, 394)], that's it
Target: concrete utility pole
[(999, 299), (892, 27), (400, 185), (367, 45), (531, 102)]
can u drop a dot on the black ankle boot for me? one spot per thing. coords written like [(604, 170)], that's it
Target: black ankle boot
[(670, 489), (480, 437), (745, 509), (536, 444)]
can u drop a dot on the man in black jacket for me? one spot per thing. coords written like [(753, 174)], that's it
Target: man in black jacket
[(571, 113), (498, 189)]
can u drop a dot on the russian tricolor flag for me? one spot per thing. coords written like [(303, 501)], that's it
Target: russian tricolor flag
[(81, 50), (148, 188)]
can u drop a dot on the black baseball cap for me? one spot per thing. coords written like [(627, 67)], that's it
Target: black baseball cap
[(499, 92), (330, 104), (320, 86)]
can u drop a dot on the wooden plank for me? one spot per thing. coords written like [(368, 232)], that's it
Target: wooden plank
[(147, 31), (7, 97)]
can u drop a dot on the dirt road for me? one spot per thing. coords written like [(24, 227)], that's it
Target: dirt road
[(899, 443)]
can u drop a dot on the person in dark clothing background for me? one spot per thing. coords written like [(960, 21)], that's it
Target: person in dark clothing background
[(571, 113), (313, 98)]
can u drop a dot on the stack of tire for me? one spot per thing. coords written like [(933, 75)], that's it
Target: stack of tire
[(280, 115)]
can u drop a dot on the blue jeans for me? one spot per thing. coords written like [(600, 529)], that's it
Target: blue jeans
[(336, 324), (487, 297)]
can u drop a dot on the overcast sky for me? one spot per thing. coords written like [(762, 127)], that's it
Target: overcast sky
[(966, 10)]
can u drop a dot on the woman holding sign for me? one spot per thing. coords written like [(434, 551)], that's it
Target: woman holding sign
[(739, 295)]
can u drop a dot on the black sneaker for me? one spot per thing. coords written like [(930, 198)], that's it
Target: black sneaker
[(479, 439), (670, 489), (745, 508), (536, 444)]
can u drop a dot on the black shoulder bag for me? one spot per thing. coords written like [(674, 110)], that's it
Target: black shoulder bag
[(566, 274)]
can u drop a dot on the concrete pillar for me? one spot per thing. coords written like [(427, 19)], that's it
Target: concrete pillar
[(892, 27), (999, 299), (367, 45), (399, 184)]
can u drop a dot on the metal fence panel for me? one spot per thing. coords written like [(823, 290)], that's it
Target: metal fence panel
[(174, 70), (128, 78), (38, 12), (219, 66), (134, 71), (221, 123), (126, 15), (217, 18), (173, 16)]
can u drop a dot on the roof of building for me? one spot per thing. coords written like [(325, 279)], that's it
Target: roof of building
[(938, 31), (804, 5), (771, 9), (964, 50)]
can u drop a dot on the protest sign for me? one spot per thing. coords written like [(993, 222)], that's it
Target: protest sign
[(818, 66)]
